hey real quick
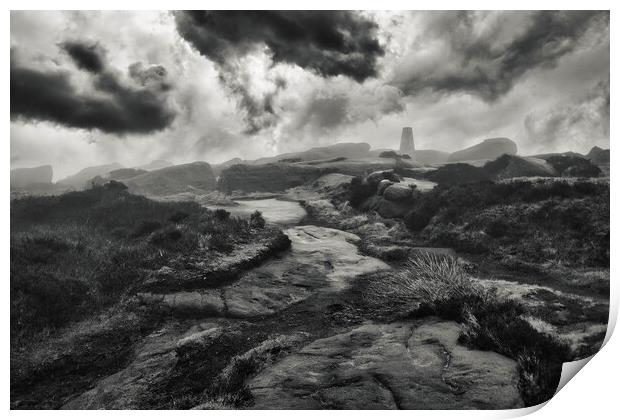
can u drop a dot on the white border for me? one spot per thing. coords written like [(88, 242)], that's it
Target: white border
[(592, 395)]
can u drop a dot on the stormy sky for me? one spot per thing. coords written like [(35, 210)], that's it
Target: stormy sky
[(91, 88)]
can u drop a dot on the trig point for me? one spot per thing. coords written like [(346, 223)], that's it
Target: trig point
[(406, 141)]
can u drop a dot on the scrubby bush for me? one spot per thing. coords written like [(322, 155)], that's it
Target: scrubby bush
[(257, 221), (391, 154), (221, 214), (388, 154), (121, 272), (359, 191), (40, 299), (221, 242), (146, 227), (76, 253), (573, 166), (178, 216), (458, 173)]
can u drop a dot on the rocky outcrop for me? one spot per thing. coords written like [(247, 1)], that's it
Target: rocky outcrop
[(389, 366), (272, 177), (398, 192), (510, 166), (23, 177), (174, 179), (598, 156), (383, 184), (80, 179), (374, 178), (487, 149), (390, 195)]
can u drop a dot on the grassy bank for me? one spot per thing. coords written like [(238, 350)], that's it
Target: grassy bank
[(76, 261), (545, 227)]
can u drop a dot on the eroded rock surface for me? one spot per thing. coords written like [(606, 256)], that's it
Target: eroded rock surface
[(320, 259), (387, 366)]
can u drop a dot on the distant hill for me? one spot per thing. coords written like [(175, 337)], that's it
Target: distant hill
[(270, 177), (430, 156), (155, 164), (124, 173), (22, 177), (598, 156), (174, 179), (219, 167), (313, 155), (345, 150), (487, 149), (80, 179), (427, 156)]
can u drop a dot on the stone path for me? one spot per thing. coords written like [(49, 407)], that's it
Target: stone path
[(320, 259)]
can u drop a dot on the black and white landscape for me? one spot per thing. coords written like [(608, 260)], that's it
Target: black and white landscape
[(306, 209)]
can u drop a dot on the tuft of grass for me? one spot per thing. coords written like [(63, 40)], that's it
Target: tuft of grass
[(229, 388), (430, 282)]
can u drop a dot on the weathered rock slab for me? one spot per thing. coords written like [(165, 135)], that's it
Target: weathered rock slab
[(386, 366)]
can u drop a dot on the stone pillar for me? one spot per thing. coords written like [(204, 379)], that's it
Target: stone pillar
[(406, 141)]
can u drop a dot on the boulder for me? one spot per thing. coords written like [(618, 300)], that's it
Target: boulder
[(22, 177), (383, 184), (377, 176), (487, 149), (398, 192), (392, 209)]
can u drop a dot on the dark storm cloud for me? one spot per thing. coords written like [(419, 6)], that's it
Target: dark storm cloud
[(326, 43), (330, 43), (112, 106), (86, 57), (488, 68)]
